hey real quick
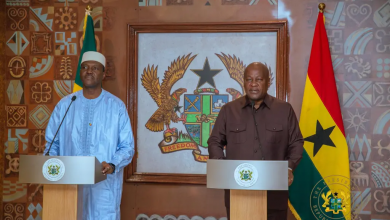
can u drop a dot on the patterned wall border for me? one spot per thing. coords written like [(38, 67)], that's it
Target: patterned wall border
[(2, 95)]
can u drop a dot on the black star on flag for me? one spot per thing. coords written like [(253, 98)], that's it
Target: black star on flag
[(322, 137), (177, 108), (206, 74)]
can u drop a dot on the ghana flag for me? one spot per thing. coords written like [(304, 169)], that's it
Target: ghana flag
[(89, 44), (321, 186)]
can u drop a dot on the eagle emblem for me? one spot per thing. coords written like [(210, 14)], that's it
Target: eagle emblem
[(336, 202), (161, 94), (53, 170), (235, 68), (246, 175)]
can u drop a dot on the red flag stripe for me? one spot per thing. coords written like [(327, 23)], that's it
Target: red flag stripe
[(320, 72)]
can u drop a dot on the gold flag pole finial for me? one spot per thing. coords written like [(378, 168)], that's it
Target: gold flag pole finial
[(321, 6), (88, 9)]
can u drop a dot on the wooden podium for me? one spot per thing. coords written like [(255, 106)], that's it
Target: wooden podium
[(62, 178), (248, 181)]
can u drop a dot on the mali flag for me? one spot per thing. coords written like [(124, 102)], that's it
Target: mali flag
[(321, 186), (88, 45)]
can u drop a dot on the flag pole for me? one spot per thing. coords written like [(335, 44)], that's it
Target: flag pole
[(88, 44), (88, 11), (321, 6)]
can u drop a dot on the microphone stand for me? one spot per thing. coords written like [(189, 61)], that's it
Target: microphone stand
[(73, 98)]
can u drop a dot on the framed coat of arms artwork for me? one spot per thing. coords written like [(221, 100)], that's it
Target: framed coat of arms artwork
[(179, 77)]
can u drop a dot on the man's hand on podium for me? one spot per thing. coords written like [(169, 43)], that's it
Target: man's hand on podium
[(106, 168), (290, 177)]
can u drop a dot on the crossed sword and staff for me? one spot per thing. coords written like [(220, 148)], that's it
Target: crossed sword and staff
[(192, 103)]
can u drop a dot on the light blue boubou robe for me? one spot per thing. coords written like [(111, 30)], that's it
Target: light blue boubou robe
[(95, 127)]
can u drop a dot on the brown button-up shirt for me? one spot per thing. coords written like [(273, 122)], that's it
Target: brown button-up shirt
[(279, 136)]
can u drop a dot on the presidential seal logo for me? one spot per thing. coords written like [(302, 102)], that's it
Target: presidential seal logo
[(246, 175), (330, 198), (53, 169)]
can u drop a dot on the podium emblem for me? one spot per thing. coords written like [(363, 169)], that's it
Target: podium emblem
[(53, 169), (246, 175)]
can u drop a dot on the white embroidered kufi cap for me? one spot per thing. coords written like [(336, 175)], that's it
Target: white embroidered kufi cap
[(94, 56)]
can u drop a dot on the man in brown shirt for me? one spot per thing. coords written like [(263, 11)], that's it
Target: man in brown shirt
[(278, 135)]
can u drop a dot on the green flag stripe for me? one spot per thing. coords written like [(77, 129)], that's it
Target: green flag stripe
[(88, 45), (306, 176)]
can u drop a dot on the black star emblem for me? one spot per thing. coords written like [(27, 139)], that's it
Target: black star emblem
[(206, 74), (321, 138), (177, 108)]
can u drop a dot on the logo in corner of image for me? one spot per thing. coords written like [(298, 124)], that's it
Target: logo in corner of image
[(246, 175), (53, 169)]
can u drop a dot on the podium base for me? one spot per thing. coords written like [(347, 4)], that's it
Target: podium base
[(248, 204), (62, 202)]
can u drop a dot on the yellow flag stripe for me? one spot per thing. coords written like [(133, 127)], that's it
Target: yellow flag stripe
[(76, 87), (293, 211), (328, 160), (85, 23)]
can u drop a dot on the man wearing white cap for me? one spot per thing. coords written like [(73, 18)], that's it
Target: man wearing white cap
[(96, 124)]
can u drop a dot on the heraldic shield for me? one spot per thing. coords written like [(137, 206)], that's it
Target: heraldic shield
[(202, 111)]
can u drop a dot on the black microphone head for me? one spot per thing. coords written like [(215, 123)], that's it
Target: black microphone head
[(74, 98)]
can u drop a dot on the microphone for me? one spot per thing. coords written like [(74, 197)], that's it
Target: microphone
[(73, 98), (257, 132)]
